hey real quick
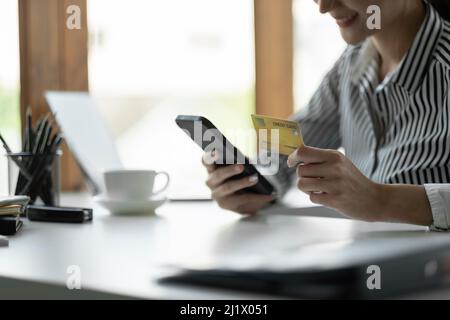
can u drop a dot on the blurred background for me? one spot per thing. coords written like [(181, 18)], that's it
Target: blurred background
[(149, 60)]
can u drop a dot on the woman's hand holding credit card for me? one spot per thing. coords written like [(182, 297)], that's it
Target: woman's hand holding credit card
[(327, 176)]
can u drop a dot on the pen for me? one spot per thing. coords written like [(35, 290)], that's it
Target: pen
[(45, 138), (21, 184), (5, 145), (47, 190), (40, 145), (42, 127), (17, 162), (41, 168), (29, 131)]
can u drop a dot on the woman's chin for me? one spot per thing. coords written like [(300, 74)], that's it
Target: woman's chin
[(352, 38)]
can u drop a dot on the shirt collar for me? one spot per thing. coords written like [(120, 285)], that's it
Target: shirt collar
[(414, 65)]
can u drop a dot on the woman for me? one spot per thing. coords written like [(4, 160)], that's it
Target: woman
[(386, 102)]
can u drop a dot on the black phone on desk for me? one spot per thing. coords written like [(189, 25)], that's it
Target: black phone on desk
[(206, 135), (59, 214)]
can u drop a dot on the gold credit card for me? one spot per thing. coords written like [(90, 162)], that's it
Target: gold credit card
[(289, 134)]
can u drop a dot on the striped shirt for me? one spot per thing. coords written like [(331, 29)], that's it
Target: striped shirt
[(396, 131)]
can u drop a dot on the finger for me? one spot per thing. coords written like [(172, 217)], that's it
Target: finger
[(254, 203), (316, 170), (218, 176), (255, 198), (209, 159), (246, 203), (233, 186), (322, 199), (310, 155), (308, 185), (211, 168), (208, 162)]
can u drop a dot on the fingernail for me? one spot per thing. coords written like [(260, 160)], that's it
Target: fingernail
[(253, 178), (289, 163), (289, 160)]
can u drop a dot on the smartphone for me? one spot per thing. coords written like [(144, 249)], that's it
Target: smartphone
[(58, 214), (197, 125)]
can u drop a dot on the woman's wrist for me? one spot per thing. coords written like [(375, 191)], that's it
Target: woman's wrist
[(402, 203), (380, 208)]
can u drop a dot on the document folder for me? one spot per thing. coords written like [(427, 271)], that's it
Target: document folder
[(410, 272)]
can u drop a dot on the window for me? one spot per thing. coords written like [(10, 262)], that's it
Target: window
[(150, 60), (9, 83), (313, 55)]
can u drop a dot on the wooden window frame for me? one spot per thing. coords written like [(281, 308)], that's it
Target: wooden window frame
[(52, 57), (274, 57)]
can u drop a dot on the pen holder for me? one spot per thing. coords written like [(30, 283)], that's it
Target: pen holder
[(36, 176)]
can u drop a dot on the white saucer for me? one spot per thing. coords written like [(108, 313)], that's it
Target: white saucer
[(130, 206)]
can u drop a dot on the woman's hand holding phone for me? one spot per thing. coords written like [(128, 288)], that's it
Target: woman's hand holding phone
[(228, 193)]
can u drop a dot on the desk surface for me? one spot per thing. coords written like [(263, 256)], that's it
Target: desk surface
[(122, 256)]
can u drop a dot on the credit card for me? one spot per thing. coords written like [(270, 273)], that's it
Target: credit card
[(289, 134)]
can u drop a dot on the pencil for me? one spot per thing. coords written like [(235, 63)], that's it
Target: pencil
[(29, 131), (5, 145)]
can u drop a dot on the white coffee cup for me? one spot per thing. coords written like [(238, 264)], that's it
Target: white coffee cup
[(132, 184)]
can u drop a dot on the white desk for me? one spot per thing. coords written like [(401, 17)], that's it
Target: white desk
[(121, 256)]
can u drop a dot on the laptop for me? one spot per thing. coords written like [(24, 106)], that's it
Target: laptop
[(313, 253), (372, 268), (87, 135)]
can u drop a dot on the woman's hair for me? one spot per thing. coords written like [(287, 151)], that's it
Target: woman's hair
[(443, 7)]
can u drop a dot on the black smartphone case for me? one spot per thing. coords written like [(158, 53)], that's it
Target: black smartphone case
[(59, 214)]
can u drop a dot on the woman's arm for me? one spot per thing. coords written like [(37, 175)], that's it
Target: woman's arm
[(404, 203), (332, 180)]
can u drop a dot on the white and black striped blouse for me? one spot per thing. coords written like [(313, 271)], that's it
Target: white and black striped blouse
[(396, 131)]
